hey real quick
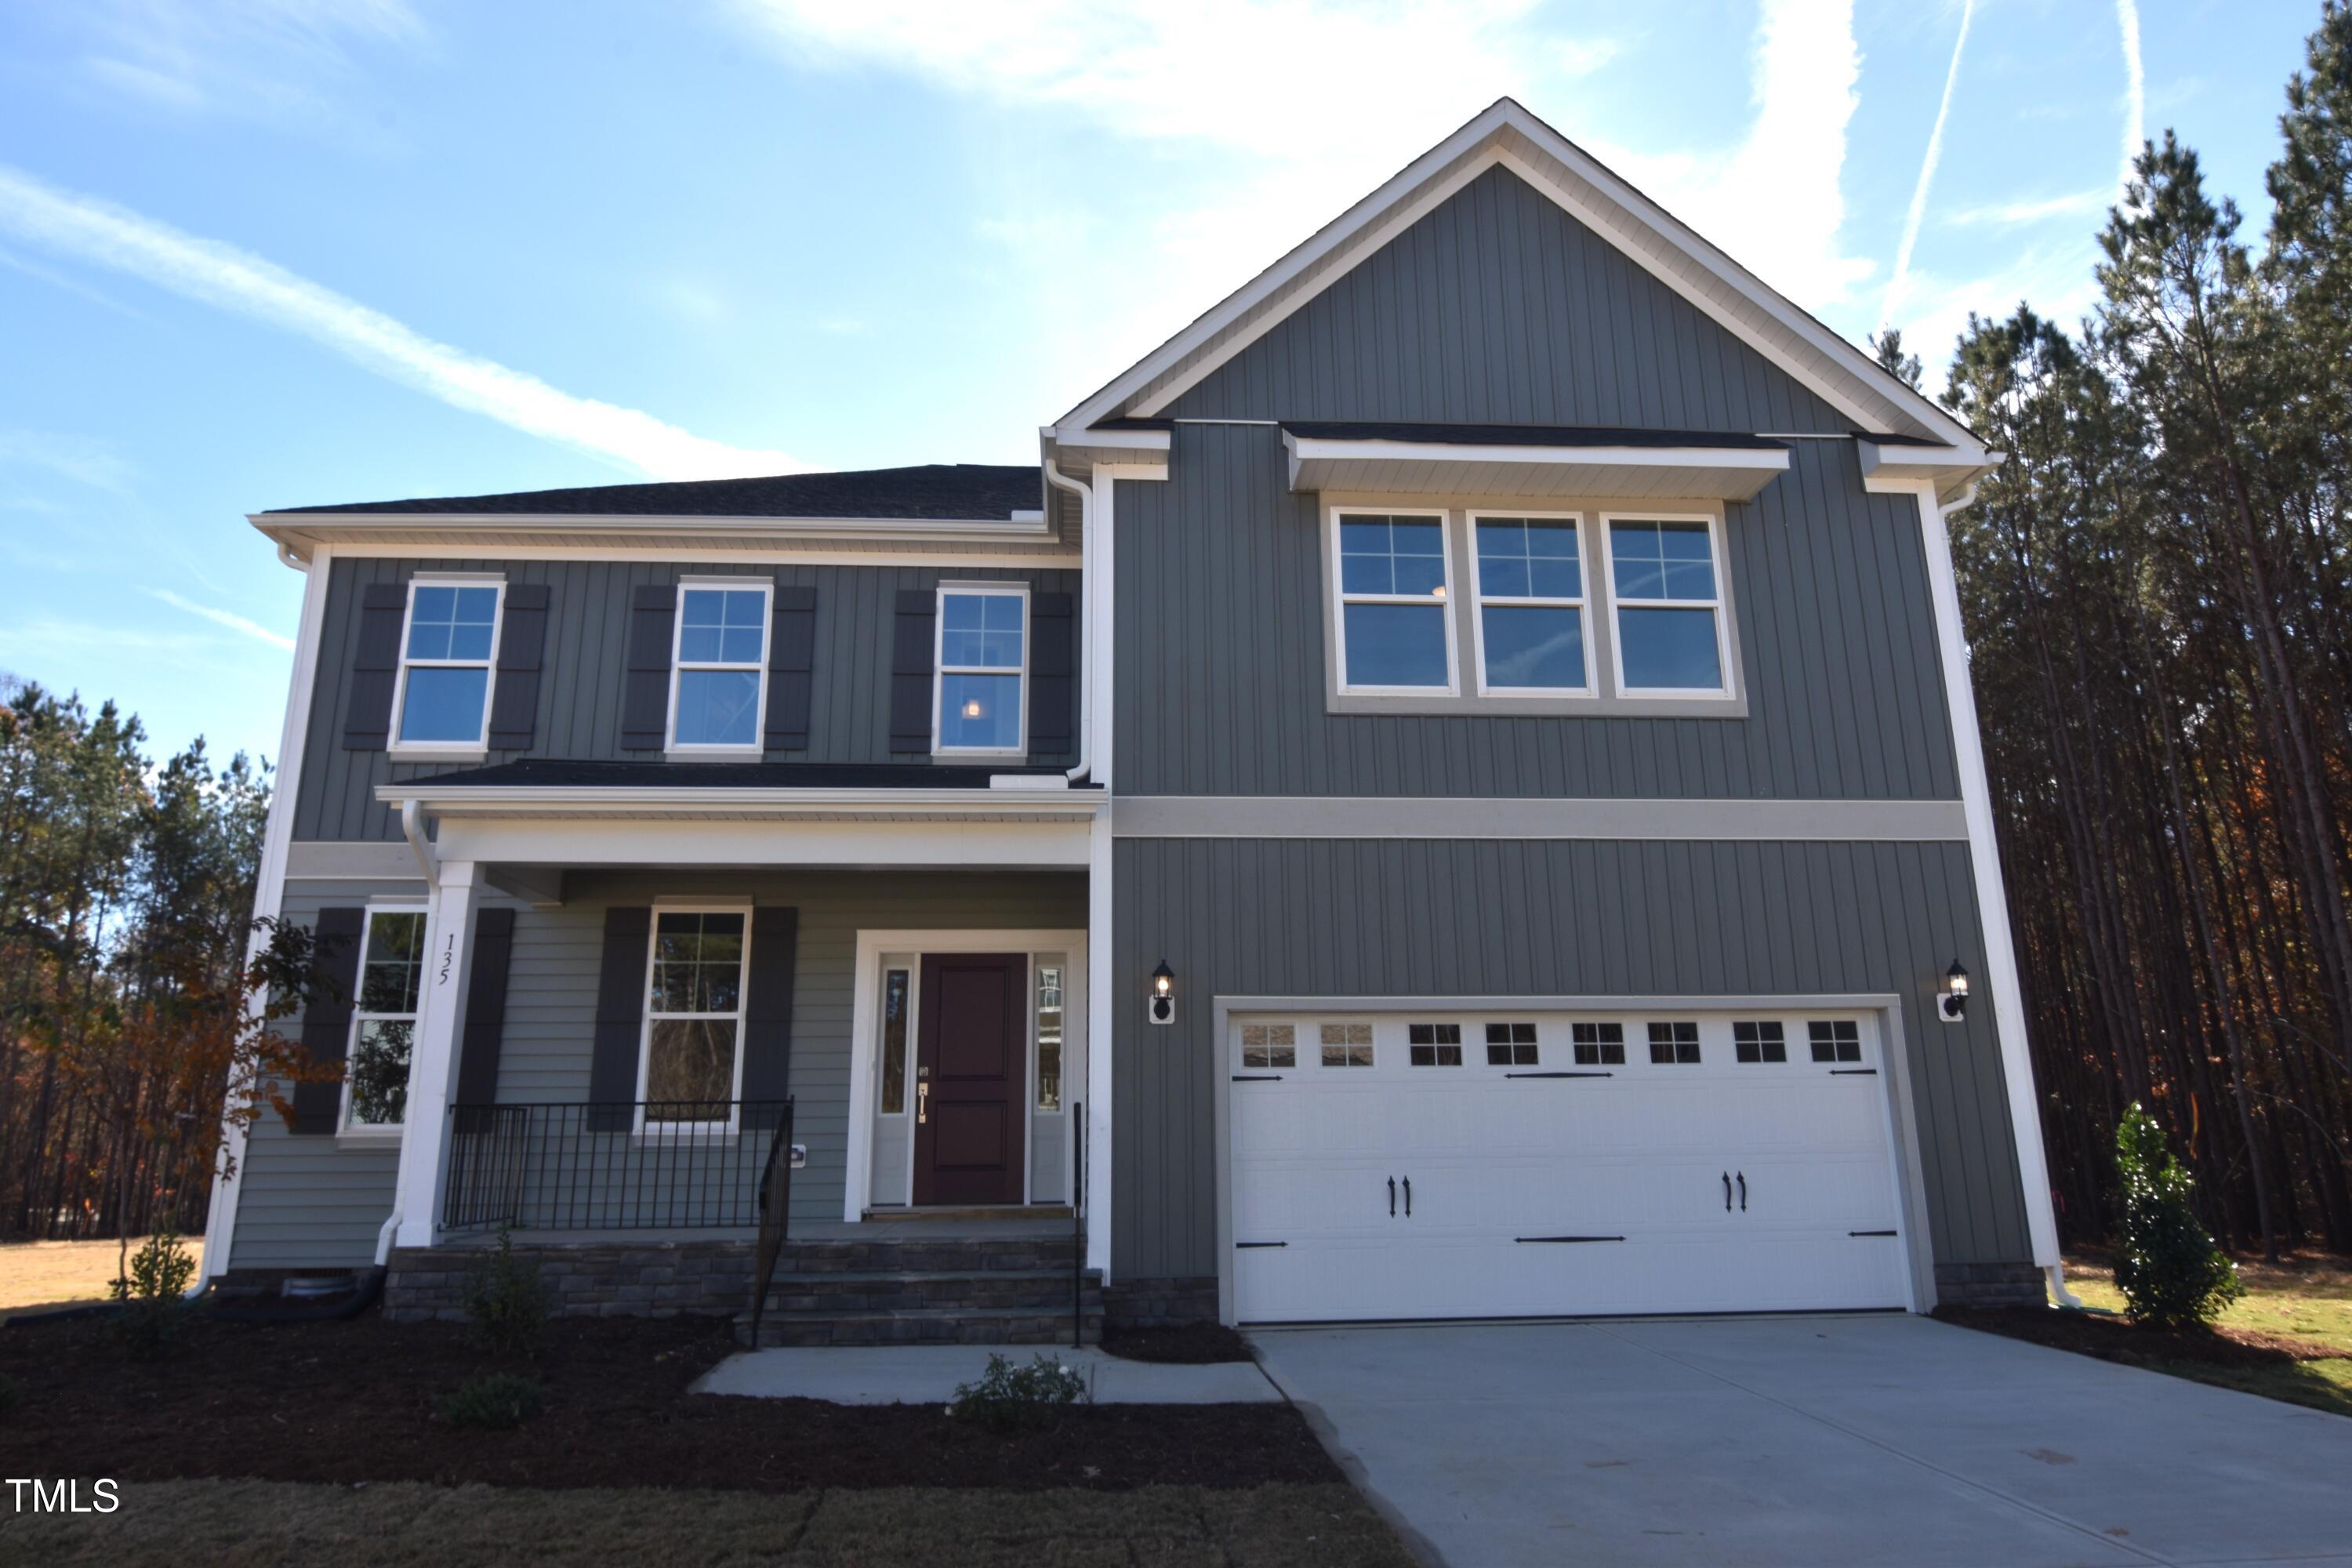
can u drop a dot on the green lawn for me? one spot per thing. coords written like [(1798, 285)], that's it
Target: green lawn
[(2306, 1299)]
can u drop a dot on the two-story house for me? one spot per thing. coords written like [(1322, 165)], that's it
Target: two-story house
[(1450, 791)]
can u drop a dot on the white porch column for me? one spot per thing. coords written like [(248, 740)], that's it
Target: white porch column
[(1100, 1010), (433, 1057)]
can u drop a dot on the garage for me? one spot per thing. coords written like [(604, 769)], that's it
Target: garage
[(1533, 1164)]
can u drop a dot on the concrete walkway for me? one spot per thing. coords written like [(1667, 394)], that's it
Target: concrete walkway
[(927, 1374), (1807, 1441)]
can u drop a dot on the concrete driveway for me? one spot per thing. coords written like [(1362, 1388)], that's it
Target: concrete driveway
[(1807, 1441)]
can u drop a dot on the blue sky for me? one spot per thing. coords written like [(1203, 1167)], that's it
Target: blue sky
[(263, 253)]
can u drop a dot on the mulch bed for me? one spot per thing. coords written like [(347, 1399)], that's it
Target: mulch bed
[(2116, 1339), (1193, 1344), (353, 1402)]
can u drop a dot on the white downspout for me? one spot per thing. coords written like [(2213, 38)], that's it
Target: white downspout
[(412, 827), (1087, 590)]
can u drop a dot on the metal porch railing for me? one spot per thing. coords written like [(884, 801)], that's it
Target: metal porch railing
[(611, 1165)]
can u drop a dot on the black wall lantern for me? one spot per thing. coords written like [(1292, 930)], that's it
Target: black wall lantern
[(1163, 994), (1953, 1005)]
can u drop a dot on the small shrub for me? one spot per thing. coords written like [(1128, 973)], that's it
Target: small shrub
[(153, 1294), (1009, 1398), (500, 1402), (2171, 1274), (507, 1304)]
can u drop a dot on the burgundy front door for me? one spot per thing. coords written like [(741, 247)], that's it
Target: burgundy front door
[(971, 1073)]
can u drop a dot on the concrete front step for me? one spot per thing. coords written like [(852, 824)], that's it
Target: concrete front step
[(969, 1326), (1042, 1290), (1009, 1254)]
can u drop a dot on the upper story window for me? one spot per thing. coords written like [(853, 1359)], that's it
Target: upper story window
[(983, 671), (1531, 624), (447, 649), (1669, 605), (719, 674), (1395, 634), (383, 1019)]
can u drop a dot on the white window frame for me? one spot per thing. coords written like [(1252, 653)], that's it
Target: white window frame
[(480, 744), (1341, 599), (757, 744), (652, 1130), (1717, 606), (939, 671), (346, 1129), (1480, 599)]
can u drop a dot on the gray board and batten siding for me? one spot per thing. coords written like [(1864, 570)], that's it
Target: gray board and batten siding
[(585, 668), (1219, 667), (1362, 917), (1497, 308), (320, 1202)]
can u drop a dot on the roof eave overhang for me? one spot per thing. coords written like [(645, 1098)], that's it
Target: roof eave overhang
[(1417, 468), (1019, 801), (1136, 454), (1953, 472), (297, 533)]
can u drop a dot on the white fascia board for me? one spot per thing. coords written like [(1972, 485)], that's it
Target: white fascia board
[(733, 846), (681, 800), (1891, 469), (1722, 473), (297, 531)]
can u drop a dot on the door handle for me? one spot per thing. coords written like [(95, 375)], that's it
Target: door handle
[(1391, 1198), (1727, 1192), (922, 1102), (1743, 1192), (1408, 1197)]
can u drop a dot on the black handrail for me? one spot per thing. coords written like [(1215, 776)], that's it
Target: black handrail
[(775, 1218), (610, 1164)]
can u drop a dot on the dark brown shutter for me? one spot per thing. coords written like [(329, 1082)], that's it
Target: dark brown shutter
[(768, 1011), (327, 1017), (376, 665), (912, 634), (644, 699), (522, 641), (486, 1006), (1053, 671), (791, 663), (620, 1019)]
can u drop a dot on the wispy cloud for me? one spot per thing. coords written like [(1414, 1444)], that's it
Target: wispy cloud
[(276, 60), (77, 458), (228, 618), (2017, 214), (221, 275), (1935, 155), (2134, 86)]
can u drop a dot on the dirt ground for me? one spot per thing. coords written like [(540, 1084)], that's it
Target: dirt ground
[(353, 1402), (60, 1273)]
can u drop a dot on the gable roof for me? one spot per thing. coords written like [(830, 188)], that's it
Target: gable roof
[(1507, 135), (930, 491)]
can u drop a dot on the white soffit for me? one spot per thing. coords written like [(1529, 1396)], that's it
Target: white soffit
[(1952, 470), (298, 533), (1421, 467), (1509, 134)]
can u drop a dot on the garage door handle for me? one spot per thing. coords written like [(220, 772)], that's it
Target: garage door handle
[(1743, 1192), (1408, 1197), (1727, 1192), (1391, 1198)]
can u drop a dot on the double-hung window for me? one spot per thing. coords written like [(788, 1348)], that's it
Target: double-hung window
[(694, 1016), (447, 649), (1530, 622), (719, 677), (383, 1020), (983, 671), (1395, 630), (1666, 586)]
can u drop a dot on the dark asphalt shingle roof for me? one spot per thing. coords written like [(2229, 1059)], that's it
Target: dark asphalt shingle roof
[(929, 490), (555, 772), (1523, 435)]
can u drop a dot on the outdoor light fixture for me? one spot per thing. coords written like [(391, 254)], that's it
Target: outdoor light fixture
[(1163, 994), (1954, 1003)]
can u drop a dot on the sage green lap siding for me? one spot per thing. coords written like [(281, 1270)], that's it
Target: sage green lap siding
[(1498, 307), (584, 670), (1220, 669), (1453, 918)]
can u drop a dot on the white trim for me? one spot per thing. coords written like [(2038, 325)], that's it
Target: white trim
[(269, 897), (344, 1125), (1506, 133), (1435, 468), (637, 800), (433, 1056), (689, 553), (703, 751), (939, 671), (1699, 819), (865, 1031), (1443, 601), (646, 1016), (1480, 599), (1992, 897), (447, 749), (1717, 607)]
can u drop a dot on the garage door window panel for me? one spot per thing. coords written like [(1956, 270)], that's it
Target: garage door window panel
[(1433, 1045), (1347, 1045), (1599, 1045), (1269, 1044), (1835, 1040), (1673, 1043), (1758, 1041), (1511, 1046)]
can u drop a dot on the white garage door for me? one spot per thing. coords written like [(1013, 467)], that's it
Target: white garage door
[(1534, 1164)]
